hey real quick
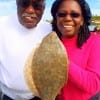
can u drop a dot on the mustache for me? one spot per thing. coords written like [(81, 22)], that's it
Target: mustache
[(29, 15)]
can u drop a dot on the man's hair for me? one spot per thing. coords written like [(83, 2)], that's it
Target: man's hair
[(21, 2), (84, 33), (17, 1)]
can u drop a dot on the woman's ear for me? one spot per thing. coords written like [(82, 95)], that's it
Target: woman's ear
[(82, 21)]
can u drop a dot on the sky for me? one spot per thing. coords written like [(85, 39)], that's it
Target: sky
[(8, 7)]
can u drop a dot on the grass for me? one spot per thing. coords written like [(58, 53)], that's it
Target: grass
[(96, 18)]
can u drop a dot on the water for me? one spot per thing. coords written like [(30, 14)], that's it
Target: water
[(92, 27)]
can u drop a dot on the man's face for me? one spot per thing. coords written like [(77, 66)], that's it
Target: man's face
[(30, 12)]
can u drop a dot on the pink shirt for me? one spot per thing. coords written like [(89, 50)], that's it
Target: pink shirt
[(84, 69)]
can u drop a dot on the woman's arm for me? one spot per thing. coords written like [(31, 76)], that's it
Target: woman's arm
[(87, 79)]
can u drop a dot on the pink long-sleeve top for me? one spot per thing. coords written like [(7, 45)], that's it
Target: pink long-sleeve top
[(84, 69)]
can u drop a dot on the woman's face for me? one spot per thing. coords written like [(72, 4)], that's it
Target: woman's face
[(69, 18)]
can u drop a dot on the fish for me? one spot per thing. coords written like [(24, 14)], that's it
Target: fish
[(50, 67)]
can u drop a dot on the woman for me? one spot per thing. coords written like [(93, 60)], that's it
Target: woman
[(70, 21)]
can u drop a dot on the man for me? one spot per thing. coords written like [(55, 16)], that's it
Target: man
[(18, 37)]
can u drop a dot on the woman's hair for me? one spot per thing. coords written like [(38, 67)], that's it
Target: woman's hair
[(83, 33)]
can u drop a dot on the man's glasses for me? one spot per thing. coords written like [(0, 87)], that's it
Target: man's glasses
[(25, 4), (64, 14)]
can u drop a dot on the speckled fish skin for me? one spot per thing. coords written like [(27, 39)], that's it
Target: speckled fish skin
[(50, 67)]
